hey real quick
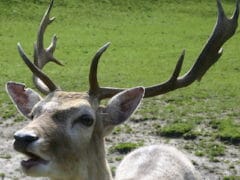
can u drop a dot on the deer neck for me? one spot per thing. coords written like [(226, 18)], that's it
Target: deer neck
[(98, 167), (92, 163)]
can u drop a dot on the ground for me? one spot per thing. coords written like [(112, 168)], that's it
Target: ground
[(136, 131)]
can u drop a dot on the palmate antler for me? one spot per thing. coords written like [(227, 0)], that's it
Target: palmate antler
[(223, 30)]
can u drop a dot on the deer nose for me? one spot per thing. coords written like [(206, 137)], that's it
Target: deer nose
[(23, 140), (28, 138)]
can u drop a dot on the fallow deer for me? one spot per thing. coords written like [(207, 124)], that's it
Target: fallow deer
[(65, 138)]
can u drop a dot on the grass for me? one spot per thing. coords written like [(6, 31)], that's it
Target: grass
[(175, 129), (126, 147), (228, 130), (2, 175), (5, 156), (125, 128), (231, 178), (212, 150), (147, 38)]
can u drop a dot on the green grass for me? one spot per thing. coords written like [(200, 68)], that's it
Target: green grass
[(212, 150), (147, 38), (2, 175), (126, 147), (231, 178), (5, 156), (125, 128), (175, 129), (227, 130)]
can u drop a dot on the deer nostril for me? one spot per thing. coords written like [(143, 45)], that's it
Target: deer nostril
[(26, 138)]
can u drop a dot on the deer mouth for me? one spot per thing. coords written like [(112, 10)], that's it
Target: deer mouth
[(33, 160)]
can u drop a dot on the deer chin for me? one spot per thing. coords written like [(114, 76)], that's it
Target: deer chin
[(34, 165)]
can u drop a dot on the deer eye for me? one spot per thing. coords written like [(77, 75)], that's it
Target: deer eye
[(85, 119)]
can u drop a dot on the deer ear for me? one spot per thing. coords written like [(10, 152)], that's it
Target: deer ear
[(23, 98), (122, 105)]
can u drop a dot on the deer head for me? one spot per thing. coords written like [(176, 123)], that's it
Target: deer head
[(67, 129), (65, 137)]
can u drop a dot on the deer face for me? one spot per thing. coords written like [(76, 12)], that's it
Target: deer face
[(61, 127), (65, 126)]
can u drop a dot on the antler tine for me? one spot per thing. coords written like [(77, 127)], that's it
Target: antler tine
[(43, 56), (93, 81), (168, 85), (95, 90), (223, 30), (36, 71)]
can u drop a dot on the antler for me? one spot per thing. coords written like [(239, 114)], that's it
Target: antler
[(42, 56), (36, 71), (223, 30)]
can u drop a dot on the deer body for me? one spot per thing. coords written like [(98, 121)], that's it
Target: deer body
[(65, 137), (156, 162)]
